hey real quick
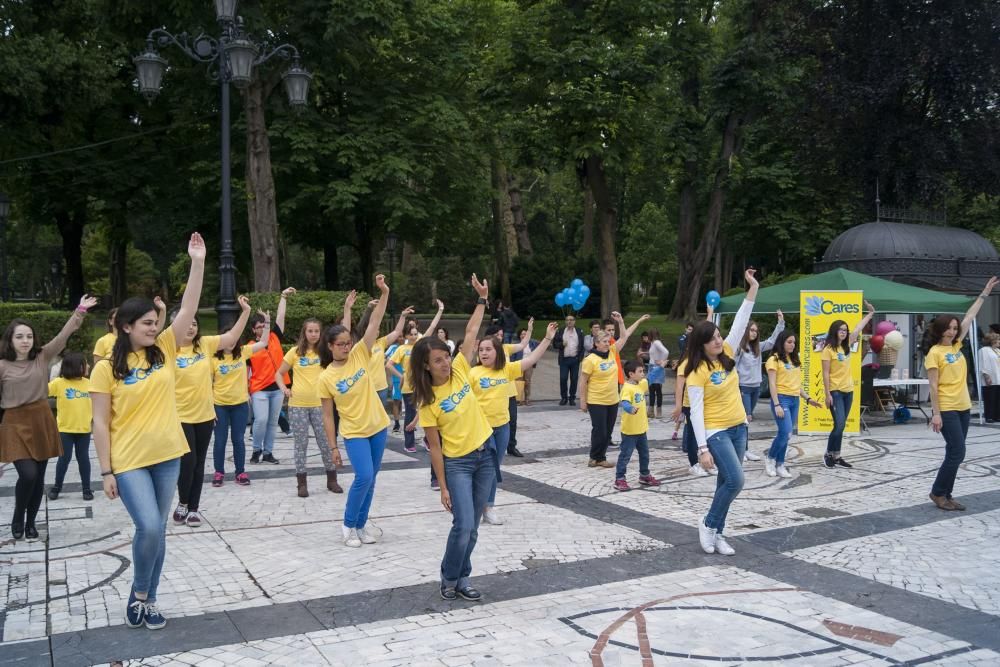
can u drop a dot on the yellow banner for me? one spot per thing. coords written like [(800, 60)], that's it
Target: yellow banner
[(817, 311)]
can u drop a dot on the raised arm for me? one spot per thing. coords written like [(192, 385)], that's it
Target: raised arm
[(536, 355), (860, 326), (371, 333), (970, 315), (394, 335), (279, 317), (52, 349), (617, 317), (349, 300), (742, 318), (469, 344), (525, 338), (266, 335), (232, 337), (769, 343), (437, 318), (192, 290), (161, 313)]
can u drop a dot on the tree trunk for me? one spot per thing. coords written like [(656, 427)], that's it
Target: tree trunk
[(607, 226), (331, 277), (118, 271), (262, 215), (501, 258), (720, 270), (71, 229), (520, 224), (587, 246), (365, 258)]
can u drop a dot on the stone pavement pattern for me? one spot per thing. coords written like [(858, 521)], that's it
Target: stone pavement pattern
[(834, 567)]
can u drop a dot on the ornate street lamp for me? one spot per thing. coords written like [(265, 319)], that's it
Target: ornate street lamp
[(4, 212), (231, 58)]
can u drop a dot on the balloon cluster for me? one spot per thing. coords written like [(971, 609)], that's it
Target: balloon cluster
[(575, 295), (886, 334), (713, 299)]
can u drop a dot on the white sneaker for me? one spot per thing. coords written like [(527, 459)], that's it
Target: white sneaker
[(706, 536), (750, 456), (352, 539), (365, 537), (783, 472), (698, 471), (491, 517), (722, 547), (769, 467)]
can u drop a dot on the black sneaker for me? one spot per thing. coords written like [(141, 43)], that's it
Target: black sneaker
[(269, 458), (88, 494), (54, 493), (843, 464), (829, 461), (256, 456), (135, 611), (572, 401), (448, 593), (154, 619), (395, 427), (563, 401), (30, 532), (469, 593), (435, 485), (17, 529)]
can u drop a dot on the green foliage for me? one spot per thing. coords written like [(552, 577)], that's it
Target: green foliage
[(327, 307), (48, 323), (143, 278), (11, 309), (453, 286)]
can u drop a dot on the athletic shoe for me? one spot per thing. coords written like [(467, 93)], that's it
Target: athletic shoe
[(427, 445), (622, 485), (706, 536), (751, 456), (180, 513), (409, 448), (88, 494), (352, 540), (783, 472), (31, 533), (217, 479), (614, 445), (722, 547), (698, 471), (674, 436), (395, 427), (491, 517), (648, 480), (135, 611), (769, 467), (194, 519), (255, 457), (469, 593), (829, 461), (269, 458), (843, 464), (54, 493), (365, 536), (448, 593), (435, 485), (242, 479), (154, 619)]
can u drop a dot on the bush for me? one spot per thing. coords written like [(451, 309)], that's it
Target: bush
[(11, 309), (327, 307), (48, 323)]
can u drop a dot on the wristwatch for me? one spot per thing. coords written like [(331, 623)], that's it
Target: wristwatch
[(480, 301)]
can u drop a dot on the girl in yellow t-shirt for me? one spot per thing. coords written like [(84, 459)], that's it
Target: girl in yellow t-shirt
[(784, 378), (232, 404), (838, 384), (401, 359), (137, 432), (949, 392), (196, 408), (717, 415), (304, 406), (493, 382), (379, 375), (73, 416), (462, 448), (346, 385), (599, 389)]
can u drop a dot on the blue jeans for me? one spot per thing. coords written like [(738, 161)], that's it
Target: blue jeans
[(954, 428), (786, 424), (230, 422), (841, 408), (727, 448), (147, 494), (501, 435), (629, 444), (469, 479), (750, 396), (409, 413), (266, 408), (80, 443), (510, 337), (366, 459)]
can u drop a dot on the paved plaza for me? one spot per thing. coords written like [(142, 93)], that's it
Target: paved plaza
[(833, 567)]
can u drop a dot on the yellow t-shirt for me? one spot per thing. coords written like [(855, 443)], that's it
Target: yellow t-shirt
[(840, 368), (681, 367), (401, 357), (633, 397), (492, 388), (195, 398), (145, 428), (953, 392), (788, 378), (377, 365), (602, 380), (229, 380), (352, 390), (104, 345), (456, 414), (72, 404), (305, 374), (723, 405)]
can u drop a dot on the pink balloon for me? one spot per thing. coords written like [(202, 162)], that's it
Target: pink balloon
[(885, 327), (876, 343)]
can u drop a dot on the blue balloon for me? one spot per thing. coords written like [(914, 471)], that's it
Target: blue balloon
[(576, 283), (585, 291), (712, 299), (560, 299), (568, 293)]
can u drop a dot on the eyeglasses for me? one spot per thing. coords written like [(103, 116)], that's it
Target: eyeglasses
[(345, 343)]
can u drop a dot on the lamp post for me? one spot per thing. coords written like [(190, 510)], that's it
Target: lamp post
[(231, 58), (4, 212), (390, 245)]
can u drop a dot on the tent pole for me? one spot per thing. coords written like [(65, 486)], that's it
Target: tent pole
[(975, 368)]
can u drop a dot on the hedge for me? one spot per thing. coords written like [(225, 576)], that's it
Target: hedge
[(48, 323), (328, 307), (12, 309)]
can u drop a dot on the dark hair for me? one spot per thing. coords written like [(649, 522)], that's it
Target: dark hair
[(302, 345), (501, 359), (594, 323), (493, 330), (654, 334), (831, 337), (196, 341), (423, 389), (255, 319), (779, 348), (458, 348), (752, 346), (995, 327), (110, 322), (439, 329), (689, 324), (7, 344), (411, 325), (128, 314), (936, 330), (237, 351), (330, 335), (630, 366), (74, 366), (703, 333)]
